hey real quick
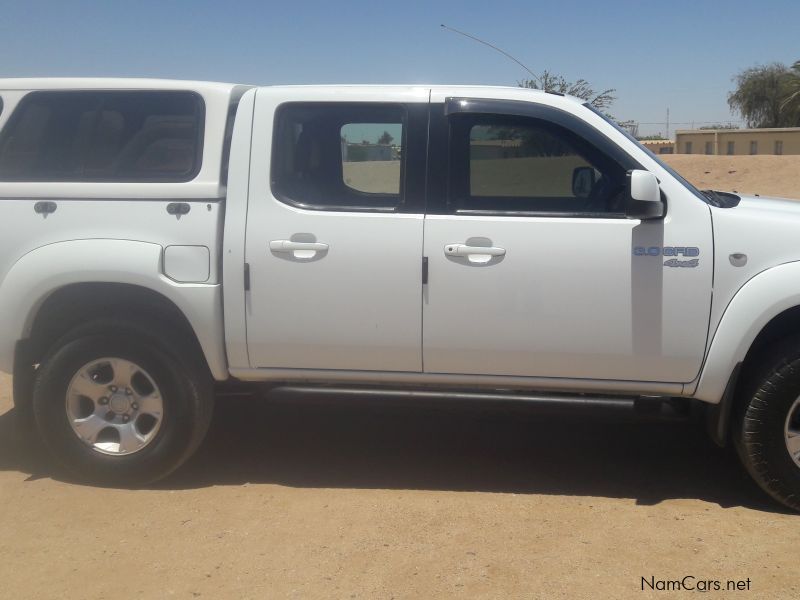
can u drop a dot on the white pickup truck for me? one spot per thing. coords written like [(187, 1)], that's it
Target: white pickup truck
[(157, 237)]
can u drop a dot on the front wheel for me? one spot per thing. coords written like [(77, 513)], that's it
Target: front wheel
[(118, 404), (767, 425)]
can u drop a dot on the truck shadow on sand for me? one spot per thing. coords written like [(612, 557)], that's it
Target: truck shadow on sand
[(375, 442)]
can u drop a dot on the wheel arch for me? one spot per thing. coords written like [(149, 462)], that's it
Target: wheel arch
[(75, 303), (101, 277), (763, 308)]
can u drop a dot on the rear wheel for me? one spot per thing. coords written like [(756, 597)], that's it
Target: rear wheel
[(767, 425), (118, 404)]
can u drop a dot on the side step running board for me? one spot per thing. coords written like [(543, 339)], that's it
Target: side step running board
[(656, 406)]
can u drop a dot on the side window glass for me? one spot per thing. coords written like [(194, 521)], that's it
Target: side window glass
[(145, 136), (513, 165), (46, 137), (337, 156), (371, 157), (103, 136)]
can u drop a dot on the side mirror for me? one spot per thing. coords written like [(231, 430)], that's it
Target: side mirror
[(583, 180), (644, 196)]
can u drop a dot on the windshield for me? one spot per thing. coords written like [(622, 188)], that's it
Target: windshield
[(703, 196)]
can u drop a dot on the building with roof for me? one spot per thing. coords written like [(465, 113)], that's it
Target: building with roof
[(659, 146), (734, 142)]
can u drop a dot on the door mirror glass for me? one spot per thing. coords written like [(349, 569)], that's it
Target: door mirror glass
[(644, 196), (583, 180)]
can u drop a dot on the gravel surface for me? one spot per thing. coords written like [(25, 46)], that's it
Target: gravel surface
[(331, 498)]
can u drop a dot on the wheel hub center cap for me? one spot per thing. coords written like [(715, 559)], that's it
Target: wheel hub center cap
[(119, 404)]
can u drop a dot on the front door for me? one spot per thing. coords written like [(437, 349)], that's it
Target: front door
[(535, 271), (334, 231)]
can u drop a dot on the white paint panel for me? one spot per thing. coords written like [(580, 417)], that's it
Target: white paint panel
[(40, 272), (749, 293), (187, 264), (569, 298), (760, 299), (355, 306), (234, 234)]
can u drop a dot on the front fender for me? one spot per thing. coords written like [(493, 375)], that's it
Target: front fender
[(756, 303), (42, 271)]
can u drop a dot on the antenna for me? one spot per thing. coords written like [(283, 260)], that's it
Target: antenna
[(493, 47)]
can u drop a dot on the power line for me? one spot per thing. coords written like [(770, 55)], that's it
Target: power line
[(688, 122)]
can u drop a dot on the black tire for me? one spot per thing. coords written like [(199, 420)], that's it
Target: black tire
[(768, 394), (168, 357)]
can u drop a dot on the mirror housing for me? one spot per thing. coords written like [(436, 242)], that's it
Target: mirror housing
[(644, 196), (583, 180)]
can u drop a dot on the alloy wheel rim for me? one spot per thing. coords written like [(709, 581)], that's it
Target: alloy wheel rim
[(114, 406), (791, 432)]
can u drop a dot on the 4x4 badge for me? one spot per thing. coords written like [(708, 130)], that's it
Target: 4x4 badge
[(674, 262)]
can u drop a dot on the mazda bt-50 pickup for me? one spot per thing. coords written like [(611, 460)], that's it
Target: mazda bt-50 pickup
[(158, 238)]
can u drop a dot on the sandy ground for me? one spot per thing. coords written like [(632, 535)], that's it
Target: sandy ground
[(764, 175), (376, 499), (322, 498)]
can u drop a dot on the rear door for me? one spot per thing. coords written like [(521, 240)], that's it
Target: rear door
[(534, 269), (334, 229)]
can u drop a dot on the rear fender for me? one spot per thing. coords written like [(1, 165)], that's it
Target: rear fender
[(44, 270)]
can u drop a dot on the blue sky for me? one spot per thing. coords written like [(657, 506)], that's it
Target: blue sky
[(677, 54)]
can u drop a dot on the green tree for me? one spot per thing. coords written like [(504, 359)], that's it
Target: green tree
[(765, 96), (385, 139), (550, 82), (791, 103)]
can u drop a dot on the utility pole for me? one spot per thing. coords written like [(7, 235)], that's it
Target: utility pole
[(667, 136)]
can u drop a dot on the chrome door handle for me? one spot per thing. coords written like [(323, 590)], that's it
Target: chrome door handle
[(464, 250), (290, 246)]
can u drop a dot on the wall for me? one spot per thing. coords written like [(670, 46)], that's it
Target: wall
[(741, 139)]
